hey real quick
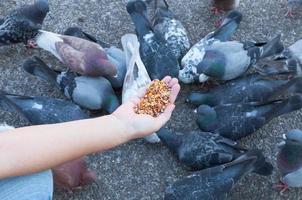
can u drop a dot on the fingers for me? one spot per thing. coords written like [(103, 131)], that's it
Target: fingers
[(167, 79), (174, 92), (173, 82)]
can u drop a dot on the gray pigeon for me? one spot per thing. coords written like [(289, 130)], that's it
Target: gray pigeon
[(41, 110), (115, 55), (195, 55), (216, 183), (171, 29), (231, 59), (155, 52), (236, 121), (23, 24), (292, 4), (224, 5), (289, 160), (198, 150), (251, 88), (93, 93)]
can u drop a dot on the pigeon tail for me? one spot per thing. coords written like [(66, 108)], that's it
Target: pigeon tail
[(228, 26), (137, 10), (172, 141), (293, 86), (162, 11), (261, 166), (274, 46), (37, 67)]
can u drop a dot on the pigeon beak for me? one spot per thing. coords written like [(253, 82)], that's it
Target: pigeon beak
[(284, 136), (195, 111)]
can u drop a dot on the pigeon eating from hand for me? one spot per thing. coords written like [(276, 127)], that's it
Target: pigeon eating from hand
[(223, 5), (251, 88), (155, 52), (199, 150), (93, 93), (217, 182), (167, 26), (115, 55), (23, 24), (236, 121), (80, 55), (195, 55), (289, 160)]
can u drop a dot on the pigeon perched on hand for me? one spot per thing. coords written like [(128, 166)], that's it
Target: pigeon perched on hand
[(217, 182), (23, 24), (236, 121), (93, 93), (155, 52), (115, 55), (289, 160), (251, 88), (195, 55), (167, 26), (198, 150), (81, 56), (291, 5), (224, 5)]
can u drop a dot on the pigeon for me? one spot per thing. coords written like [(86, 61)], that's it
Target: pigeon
[(291, 5), (236, 121), (23, 24), (224, 5), (115, 55), (195, 55), (199, 150), (69, 175), (93, 93), (155, 52), (137, 78), (289, 160), (252, 88), (41, 110), (231, 59), (81, 56), (171, 29), (217, 182)]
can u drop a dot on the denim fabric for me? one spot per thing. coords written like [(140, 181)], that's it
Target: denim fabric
[(37, 186)]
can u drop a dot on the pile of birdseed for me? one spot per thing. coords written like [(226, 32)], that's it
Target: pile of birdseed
[(155, 100)]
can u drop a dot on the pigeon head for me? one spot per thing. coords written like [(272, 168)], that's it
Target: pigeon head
[(207, 116), (136, 6), (42, 5), (36, 12), (213, 64), (198, 99), (294, 137)]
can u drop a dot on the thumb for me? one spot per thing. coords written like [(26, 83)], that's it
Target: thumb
[(165, 116)]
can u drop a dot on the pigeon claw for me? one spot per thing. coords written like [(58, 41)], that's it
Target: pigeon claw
[(31, 44), (282, 187), (289, 14), (216, 11), (218, 23)]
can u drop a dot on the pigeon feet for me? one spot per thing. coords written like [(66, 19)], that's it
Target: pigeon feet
[(31, 44), (218, 23), (282, 187), (216, 11), (289, 14)]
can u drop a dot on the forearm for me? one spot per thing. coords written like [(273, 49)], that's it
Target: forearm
[(32, 149)]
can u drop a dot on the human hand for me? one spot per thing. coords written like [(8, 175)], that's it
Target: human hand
[(138, 125)]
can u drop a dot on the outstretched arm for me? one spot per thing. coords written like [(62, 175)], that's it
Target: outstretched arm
[(32, 149)]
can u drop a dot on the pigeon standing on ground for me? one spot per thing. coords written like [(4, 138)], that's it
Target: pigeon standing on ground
[(115, 55), (252, 88), (195, 55), (45, 110), (289, 160), (198, 150), (155, 52), (236, 121), (81, 56), (291, 5), (23, 24), (223, 5), (93, 93), (166, 25), (217, 182)]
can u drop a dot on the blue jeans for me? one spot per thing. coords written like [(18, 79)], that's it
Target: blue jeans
[(37, 186)]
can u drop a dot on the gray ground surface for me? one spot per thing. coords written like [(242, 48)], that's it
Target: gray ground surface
[(138, 170)]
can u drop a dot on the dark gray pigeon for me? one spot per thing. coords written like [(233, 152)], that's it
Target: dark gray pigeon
[(231, 59), (115, 55), (93, 93), (23, 24), (171, 29), (236, 121), (289, 160), (194, 56), (252, 88), (198, 150), (292, 5), (155, 52), (41, 110), (216, 183)]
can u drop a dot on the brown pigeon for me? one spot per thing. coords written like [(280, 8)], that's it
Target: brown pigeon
[(81, 56), (224, 5)]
